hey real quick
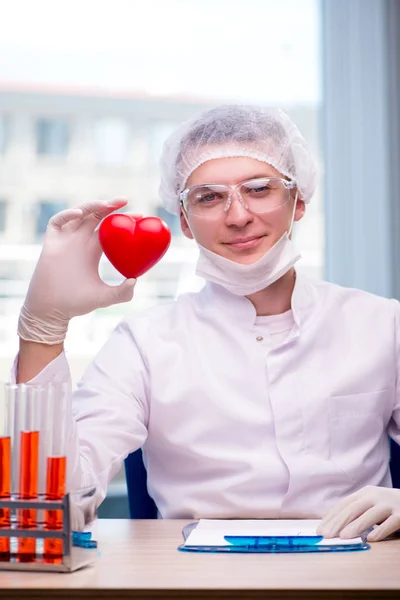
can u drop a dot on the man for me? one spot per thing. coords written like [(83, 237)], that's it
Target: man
[(263, 395)]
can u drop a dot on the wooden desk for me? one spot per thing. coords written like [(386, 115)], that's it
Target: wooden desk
[(139, 559)]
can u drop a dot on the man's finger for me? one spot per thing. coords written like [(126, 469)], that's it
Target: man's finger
[(332, 514), (65, 216), (344, 517), (96, 211), (386, 528), (369, 518)]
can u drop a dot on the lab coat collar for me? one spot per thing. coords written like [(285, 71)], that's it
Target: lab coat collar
[(240, 309)]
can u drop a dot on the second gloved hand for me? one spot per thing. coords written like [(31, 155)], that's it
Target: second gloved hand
[(371, 506), (66, 282)]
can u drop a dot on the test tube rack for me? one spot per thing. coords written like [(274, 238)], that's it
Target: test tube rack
[(73, 557)]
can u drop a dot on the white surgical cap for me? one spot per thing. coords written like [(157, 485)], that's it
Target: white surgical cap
[(267, 135)]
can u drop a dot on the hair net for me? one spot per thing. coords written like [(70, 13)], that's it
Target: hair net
[(267, 135)]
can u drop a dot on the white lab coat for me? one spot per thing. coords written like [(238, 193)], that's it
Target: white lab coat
[(234, 428)]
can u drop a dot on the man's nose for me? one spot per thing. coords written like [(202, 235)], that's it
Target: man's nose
[(238, 214)]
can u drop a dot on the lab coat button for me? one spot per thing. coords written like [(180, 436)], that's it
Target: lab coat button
[(259, 338)]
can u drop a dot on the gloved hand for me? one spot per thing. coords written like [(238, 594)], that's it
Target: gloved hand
[(66, 281), (369, 507), (82, 508)]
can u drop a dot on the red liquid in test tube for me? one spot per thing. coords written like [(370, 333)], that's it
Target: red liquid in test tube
[(5, 492), (28, 490), (55, 490), (55, 412)]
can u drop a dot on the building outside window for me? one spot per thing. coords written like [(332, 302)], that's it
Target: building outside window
[(158, 133), (52, 137), (112, 142), (4, 133), (3, 215), (44, 211), (171, 220)]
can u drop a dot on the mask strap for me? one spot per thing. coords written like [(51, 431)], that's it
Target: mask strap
[(294, 210), (187, 221)]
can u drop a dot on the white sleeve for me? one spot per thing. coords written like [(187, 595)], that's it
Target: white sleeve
[(394, 424), (108, 413), (56, 371)]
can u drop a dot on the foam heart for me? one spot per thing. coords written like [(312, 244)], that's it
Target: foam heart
[(133, 244)]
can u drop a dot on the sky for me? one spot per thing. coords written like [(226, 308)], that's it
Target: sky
[(252, 50)]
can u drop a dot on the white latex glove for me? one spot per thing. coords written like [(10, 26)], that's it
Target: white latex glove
[(66, 281), (82, 508), (369, 507)]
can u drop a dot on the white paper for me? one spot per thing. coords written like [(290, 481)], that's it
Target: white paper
[(211, 532)]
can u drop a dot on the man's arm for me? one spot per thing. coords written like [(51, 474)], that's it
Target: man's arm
[(33, 358), (65, 284), (107, 416), (107, 421)]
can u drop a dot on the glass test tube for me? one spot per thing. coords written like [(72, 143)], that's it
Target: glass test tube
[(55, 413), (6, 431), (28, 415)]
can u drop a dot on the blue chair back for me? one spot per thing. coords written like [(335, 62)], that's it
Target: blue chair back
[(141, 505), (395, 463)]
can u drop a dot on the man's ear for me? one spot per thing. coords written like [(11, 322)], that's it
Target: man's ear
[(184, 225), (300, 209)]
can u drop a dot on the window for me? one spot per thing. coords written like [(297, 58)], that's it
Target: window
[(171, 220), (44, 211), (112, 142), (52, 137), (3, 215), (122, 95), (4, 133), (159, 131)]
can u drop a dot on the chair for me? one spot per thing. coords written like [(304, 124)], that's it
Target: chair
[(141, 505), (395, 463)]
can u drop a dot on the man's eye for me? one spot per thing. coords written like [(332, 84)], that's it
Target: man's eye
[(208, 198), (259, 189)]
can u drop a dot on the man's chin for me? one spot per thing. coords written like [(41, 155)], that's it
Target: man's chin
[(246, 260), (247, 256)]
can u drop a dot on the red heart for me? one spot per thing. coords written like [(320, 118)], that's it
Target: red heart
[(133, 244)]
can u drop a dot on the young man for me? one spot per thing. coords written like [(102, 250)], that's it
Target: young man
[(263, 395)]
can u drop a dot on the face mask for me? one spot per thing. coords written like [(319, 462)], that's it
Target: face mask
[(244, 280)]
